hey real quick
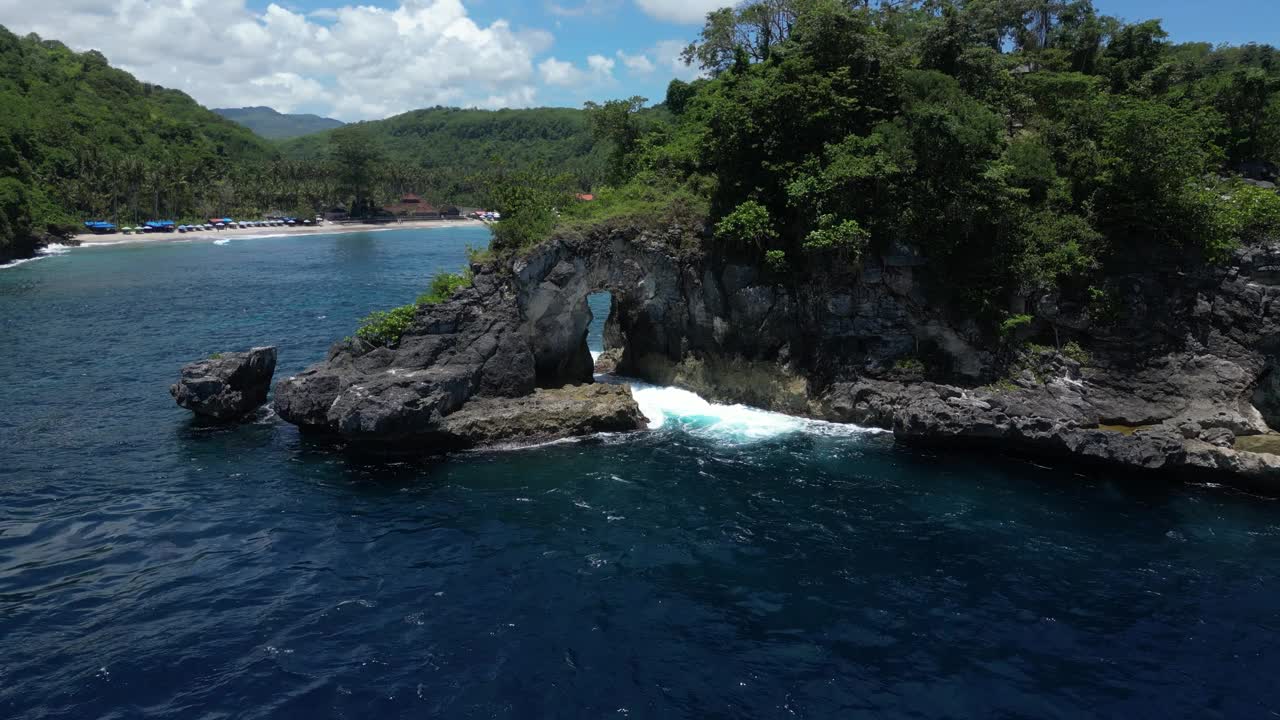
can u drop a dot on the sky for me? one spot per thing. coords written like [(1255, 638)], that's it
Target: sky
[(382, 57)]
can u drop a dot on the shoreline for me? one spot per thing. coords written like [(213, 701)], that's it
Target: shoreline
[(119, 238)]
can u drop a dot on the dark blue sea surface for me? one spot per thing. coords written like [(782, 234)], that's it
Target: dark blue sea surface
[(726, 564)]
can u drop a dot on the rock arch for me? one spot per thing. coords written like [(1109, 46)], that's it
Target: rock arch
[(1187, 370), (552, 286), (680, 316), (515, 330)]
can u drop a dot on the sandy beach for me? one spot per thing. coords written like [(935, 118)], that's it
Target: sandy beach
[(324, 229)]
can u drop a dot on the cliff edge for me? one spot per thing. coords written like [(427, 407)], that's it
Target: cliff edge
[(1182, 376)]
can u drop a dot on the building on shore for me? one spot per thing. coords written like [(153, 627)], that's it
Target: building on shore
[(412, 207)]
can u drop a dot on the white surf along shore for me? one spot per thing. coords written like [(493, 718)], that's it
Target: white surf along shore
[(118, 238), (673, 407)]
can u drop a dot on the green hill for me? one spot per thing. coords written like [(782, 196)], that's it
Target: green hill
[(79, 138), (274, 125), (454, 144)]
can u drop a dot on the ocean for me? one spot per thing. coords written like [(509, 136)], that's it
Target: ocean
[(725, 563)]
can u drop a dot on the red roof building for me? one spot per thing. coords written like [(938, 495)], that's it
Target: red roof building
[(411, 205)]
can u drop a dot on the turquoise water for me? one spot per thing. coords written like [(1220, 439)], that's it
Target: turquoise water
[(725, 564)]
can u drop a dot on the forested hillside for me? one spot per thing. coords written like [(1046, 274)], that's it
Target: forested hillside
[(274, 125), (78, 136), (1022, 146), (453, 146)]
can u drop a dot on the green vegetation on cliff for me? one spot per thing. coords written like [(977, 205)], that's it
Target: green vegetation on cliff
[(1021, 145), (386, 327)]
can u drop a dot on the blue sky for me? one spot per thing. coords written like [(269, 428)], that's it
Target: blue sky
[(1225, 21), (371, 59)]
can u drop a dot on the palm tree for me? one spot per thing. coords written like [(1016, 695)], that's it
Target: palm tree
[(153, 182), (132, 172)]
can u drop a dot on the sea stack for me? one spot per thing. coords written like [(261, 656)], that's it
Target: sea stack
[(226, 386)]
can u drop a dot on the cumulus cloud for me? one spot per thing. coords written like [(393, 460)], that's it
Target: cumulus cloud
[(559, 72), (598, 71), (600, 66), (666, 55), (682, 11), (636, 63), (353, 62)]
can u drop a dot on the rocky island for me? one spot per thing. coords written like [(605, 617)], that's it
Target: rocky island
[(1068, 250), (226, 386), (1185, 381)]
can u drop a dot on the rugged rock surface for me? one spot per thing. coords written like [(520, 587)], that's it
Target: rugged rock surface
[(1178, 372), (544, 415), (227, 386), (1055, 421), (465, 374)]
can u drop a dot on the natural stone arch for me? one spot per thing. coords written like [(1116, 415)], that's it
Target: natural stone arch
[(1183, 372), (552, 287)]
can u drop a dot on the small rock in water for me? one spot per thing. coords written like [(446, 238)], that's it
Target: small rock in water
[(226, 386)]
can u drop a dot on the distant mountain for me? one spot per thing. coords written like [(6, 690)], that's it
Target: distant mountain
[(455, 144), (274, 125)]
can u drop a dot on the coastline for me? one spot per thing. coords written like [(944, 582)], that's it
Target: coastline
[(264, 232)]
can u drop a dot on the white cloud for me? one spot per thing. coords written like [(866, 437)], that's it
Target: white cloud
[(636, 63), (682, 11), (353, 62), (601, 66), (558, 72), (666, 55), (599, 71)]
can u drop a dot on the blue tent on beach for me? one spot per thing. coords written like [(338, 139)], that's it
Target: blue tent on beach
[(161, 225), (99, 226)]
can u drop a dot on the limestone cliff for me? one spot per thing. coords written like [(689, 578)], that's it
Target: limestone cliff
[(1184, 365)]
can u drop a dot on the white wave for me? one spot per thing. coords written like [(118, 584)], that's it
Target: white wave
[(673, 407), (44, 252), (16, 263), (223, 241), (595, 355)]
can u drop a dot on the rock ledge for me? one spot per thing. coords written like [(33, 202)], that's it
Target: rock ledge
[(545, 415), (226, 386)]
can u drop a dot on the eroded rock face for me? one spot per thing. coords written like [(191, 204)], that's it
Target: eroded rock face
[(545, 415), (472, 345), (227, 386), (1182, 369), (1054, 421)]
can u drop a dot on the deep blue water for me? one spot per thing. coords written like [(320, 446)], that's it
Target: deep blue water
[(727, 564)]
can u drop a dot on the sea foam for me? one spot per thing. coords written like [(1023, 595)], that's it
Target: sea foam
[(676, 408), (44, 252)]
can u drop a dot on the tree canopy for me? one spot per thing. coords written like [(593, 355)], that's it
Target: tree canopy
[(1022, 145), (77, 135)]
